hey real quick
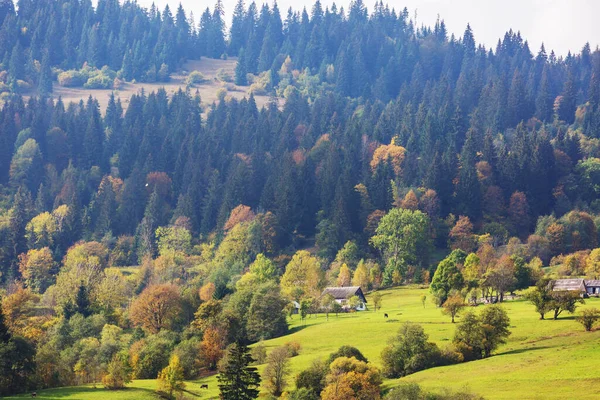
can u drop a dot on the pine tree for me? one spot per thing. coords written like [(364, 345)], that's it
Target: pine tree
[(543, 101), (240, 70), (16, 68), (236, 33), (568, 103), (45, 84), (82, 301), (238, 380)]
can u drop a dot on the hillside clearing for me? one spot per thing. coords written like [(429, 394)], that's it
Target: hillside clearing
[(208, 90)]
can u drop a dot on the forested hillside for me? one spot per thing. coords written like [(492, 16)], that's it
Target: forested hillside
[(394, 146)]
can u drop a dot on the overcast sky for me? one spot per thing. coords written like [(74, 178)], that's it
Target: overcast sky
[(562, 25)]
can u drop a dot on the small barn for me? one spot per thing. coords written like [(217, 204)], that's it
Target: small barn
[(345, 293), (589, 287), (569, 285), (592, 287)]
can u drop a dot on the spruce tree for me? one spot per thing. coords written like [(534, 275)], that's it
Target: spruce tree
[(45, 83), (568, 103), (238, 380), (82, 301), (236, 33), (16, 67), (240, 70)]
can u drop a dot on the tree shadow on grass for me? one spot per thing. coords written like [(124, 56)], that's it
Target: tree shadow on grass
[(297, 328), (524, 350)]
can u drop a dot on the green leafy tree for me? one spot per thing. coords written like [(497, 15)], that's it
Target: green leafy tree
[(564, 300), (447, 276), (477, 336), (408, 352), (403, 238)]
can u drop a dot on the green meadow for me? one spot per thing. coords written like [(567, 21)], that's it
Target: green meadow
[(541, 360)]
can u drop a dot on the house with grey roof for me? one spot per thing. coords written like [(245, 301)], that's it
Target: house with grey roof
[(590, 287), (345, 293)]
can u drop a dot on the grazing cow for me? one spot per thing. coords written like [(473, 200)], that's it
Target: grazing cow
[(385, 315), (204, 386), (34, 394)]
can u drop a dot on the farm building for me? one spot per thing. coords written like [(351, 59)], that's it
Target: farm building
[(590, 287), (343, 294)]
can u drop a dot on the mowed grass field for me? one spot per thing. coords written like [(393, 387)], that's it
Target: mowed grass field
[(541, 360)]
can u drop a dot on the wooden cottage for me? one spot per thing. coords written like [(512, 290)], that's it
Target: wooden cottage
[(343, 294)]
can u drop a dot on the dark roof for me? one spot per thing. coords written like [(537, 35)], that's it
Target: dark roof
[(344, 293), (569, 284)]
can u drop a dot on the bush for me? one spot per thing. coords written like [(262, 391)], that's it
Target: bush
[(195, 78), (99, 81), (347, 351), (313, 378), (22, 85), (412, 391), (221, 93), (588, 318), (72, 78), (293, 348), (259, 353), (224, 76)]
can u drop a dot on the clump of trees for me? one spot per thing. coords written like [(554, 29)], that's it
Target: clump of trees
[(345, 374), (410, 351), (479, 335), (545, 299)]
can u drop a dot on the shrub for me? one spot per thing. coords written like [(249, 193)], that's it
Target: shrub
[(195, 78), (347, 351), (224, 76), (313, 378), (221, 93), (100, 81), (72, 78), (588, 318), (259, 353), (293, 348)]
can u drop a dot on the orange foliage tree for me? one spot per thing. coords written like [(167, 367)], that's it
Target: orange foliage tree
[(213, 343), (238, 215), (156, 308), (391, 152)]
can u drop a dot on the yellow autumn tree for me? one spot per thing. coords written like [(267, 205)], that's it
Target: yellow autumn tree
[(303, 276), (345, 276), (391, 152), (361, 276)]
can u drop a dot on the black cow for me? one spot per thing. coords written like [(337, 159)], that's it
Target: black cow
[(204, 386), (385, 315)]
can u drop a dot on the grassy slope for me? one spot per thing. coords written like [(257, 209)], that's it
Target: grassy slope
[(542, 359)]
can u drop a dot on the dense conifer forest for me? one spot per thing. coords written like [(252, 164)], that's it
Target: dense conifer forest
[(393, 145)]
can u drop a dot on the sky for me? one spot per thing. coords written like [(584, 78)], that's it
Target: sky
[(562, 25)]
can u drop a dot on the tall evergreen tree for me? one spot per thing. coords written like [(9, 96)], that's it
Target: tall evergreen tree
[(238, 380)]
